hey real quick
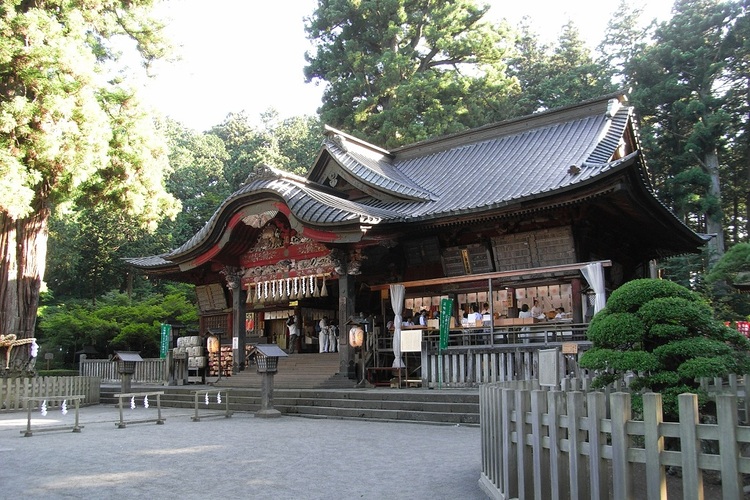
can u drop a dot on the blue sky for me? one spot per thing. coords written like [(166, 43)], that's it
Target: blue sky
[(240, 55)]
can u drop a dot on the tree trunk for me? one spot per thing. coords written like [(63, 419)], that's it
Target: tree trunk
[(714, 225), (23, 251)]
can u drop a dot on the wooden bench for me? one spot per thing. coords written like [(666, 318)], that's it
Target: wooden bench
[(206, 392), (75, 427), (159, 420)]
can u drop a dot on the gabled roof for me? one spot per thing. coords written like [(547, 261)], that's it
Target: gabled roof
[(494, 165)]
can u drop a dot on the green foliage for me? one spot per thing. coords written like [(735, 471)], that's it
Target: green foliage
[(617, 331), (563, 75), (693, 314), (666, 336), (117, 323), (73, 136), (633, 294), (401, 71)]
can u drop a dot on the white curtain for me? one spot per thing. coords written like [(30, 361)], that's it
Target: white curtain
[(594, 274), (397, 303)]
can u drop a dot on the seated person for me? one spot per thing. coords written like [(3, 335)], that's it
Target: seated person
[(536, 311), (475, 315), (409, 321), (561, 313), (525, 312)]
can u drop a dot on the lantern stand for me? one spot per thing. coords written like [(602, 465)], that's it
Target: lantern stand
[(126, 361), (267, 362), (217, 332)]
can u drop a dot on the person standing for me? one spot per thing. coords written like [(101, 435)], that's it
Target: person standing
[(323, 335), (293, 328), (332, 338)]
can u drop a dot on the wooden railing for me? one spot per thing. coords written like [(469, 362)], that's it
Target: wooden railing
[(148, 371), (13, 391), (483, 355), (555, 444)]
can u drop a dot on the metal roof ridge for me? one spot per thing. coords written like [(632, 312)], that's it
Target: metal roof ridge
[(591, 107)]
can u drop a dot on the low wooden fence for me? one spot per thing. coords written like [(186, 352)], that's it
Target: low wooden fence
[(472, 366), (14, 390), (539, 444), (148, 371)]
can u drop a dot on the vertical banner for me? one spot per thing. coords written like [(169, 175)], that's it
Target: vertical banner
[(446, 311), (166, 335)]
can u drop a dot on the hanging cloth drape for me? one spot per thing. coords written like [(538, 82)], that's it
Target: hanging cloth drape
[(397, 303), (594, 274)]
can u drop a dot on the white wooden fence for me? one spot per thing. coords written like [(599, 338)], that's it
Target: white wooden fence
[(472, 366), (13, 390), (539, 444), (148, 371)]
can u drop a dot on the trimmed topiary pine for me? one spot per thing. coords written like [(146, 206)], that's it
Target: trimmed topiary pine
[(666, 336)]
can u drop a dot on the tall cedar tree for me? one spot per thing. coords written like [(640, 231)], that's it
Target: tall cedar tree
[(400, 71), (680, 89), (68, 133)]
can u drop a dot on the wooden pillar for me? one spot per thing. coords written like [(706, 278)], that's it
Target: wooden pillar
[(239, 296), (346, 311), (575, 290)]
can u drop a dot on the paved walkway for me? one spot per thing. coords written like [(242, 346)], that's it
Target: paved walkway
[(239, 457)]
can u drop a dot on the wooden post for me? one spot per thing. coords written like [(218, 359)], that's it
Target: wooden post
[(346, 310), (690, 447), (510, 465), (540, 455), (731, 479), (622, 477), (598, 470), (575, 290), (558, 477), (653, 416), (577, 467), (239, 296)]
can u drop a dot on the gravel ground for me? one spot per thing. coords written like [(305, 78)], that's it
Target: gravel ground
[(239, 457)]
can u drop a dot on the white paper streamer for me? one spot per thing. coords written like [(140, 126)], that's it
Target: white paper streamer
[(206, 398), (34, 348), (132, 403), (43, 408), (145, 402), (218, 398), (64, 407)]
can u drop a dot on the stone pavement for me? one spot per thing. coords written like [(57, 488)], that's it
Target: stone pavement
[(238, 457)]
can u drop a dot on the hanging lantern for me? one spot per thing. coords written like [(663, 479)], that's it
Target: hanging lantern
[(356, 336), (212, 344), (323, 288), (316, 292)]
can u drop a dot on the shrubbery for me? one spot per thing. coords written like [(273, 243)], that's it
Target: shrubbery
[(115, 323), (666, 336)]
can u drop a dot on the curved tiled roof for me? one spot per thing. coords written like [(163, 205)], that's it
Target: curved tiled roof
[(307, 204), (494, 166)]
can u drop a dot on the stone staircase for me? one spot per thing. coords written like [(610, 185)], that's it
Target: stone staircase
[(309, 385), (298, 371), (455, 407)]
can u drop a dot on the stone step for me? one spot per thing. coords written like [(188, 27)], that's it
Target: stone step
[(454, 407)]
